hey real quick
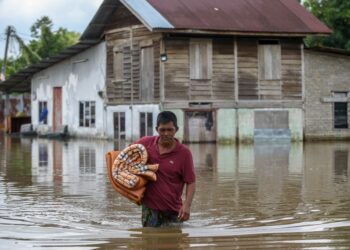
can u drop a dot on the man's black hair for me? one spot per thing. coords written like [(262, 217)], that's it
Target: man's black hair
[(166, 117)]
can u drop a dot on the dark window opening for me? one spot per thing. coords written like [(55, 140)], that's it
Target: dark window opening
[(268, 41), (119, 125), (43, 112), (340, 115), (87, 114), (146, 124)]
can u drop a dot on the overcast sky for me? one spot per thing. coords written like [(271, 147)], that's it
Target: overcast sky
[(74, 15)]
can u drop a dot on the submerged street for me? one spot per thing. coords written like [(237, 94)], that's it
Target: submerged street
[(56, 195)]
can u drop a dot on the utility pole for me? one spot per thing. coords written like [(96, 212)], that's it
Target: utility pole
[(9, 30), (6, 111)]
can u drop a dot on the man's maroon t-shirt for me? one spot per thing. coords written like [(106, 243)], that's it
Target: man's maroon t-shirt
[(175, 169)]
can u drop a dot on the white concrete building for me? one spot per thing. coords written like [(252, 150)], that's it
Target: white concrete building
[(72, 91)]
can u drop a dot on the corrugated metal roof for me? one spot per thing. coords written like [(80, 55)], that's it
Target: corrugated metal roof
[(20, 81), (147, 14), (249, 16)]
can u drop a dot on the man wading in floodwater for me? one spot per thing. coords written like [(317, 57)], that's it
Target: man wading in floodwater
[(162, 202)]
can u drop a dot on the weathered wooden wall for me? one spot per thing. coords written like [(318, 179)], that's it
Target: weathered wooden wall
[(291, 69), (180, 86), (130, 41), (221, 86), (225, 74), (247, 69)]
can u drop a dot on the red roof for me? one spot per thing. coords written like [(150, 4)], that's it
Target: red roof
[(248, 16)]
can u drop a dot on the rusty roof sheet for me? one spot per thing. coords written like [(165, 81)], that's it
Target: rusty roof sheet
[(247, 16)]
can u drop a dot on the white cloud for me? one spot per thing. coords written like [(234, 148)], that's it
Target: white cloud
[(71, 14)]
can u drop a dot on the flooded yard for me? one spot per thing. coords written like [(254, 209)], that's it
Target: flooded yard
[(56, 195)]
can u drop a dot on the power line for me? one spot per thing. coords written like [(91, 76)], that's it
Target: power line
[(26, 35)]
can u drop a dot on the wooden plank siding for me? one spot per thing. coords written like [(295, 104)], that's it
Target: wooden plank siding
[(247, 67), (251, 86), (223, 80), (179, 83), (291, 70), (130, 41), (213, 81), (177, 70)]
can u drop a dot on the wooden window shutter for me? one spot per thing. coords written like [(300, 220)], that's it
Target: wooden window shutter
[(147, 74), (118, 65), (200, 59), (270, 62)]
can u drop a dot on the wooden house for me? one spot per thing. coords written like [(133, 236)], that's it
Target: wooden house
[(229, 69)]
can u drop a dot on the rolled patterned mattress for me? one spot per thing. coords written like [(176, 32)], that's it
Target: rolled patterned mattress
[(129, 172)]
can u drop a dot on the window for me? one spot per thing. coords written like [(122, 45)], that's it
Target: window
[(340, 109), (200, 59), (87, 114), (87, 160), (146, 124), (340, 115), (43, 112), (119, 125), (118, 65), (269, 60), (147, 74)]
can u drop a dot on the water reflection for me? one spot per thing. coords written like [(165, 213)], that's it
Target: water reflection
[(341, 164), (248, 196)]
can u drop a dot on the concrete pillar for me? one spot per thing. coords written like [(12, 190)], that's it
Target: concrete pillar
[(226, 126), (180, 123), (296, 124), (246, 125)]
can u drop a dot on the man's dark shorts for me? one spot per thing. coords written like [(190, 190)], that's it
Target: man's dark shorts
[(154, 218)]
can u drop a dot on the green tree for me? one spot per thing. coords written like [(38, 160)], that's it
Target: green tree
[(336, 15), (48, 42)]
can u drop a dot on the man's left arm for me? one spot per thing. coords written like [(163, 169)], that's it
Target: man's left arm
[(184, 213)]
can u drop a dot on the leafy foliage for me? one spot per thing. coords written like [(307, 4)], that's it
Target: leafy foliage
[(336, 15)]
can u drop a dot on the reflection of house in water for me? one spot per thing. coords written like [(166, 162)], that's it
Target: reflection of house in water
[(69, 164), (341, 164), (87, 160), (325, 163), (204, 155), (43, 155), (280, 156), (271, 166)]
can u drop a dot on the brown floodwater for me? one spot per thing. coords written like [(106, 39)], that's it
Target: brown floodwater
[(56, 195)]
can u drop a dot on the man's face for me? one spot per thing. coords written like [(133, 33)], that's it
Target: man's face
[(166, 132)]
